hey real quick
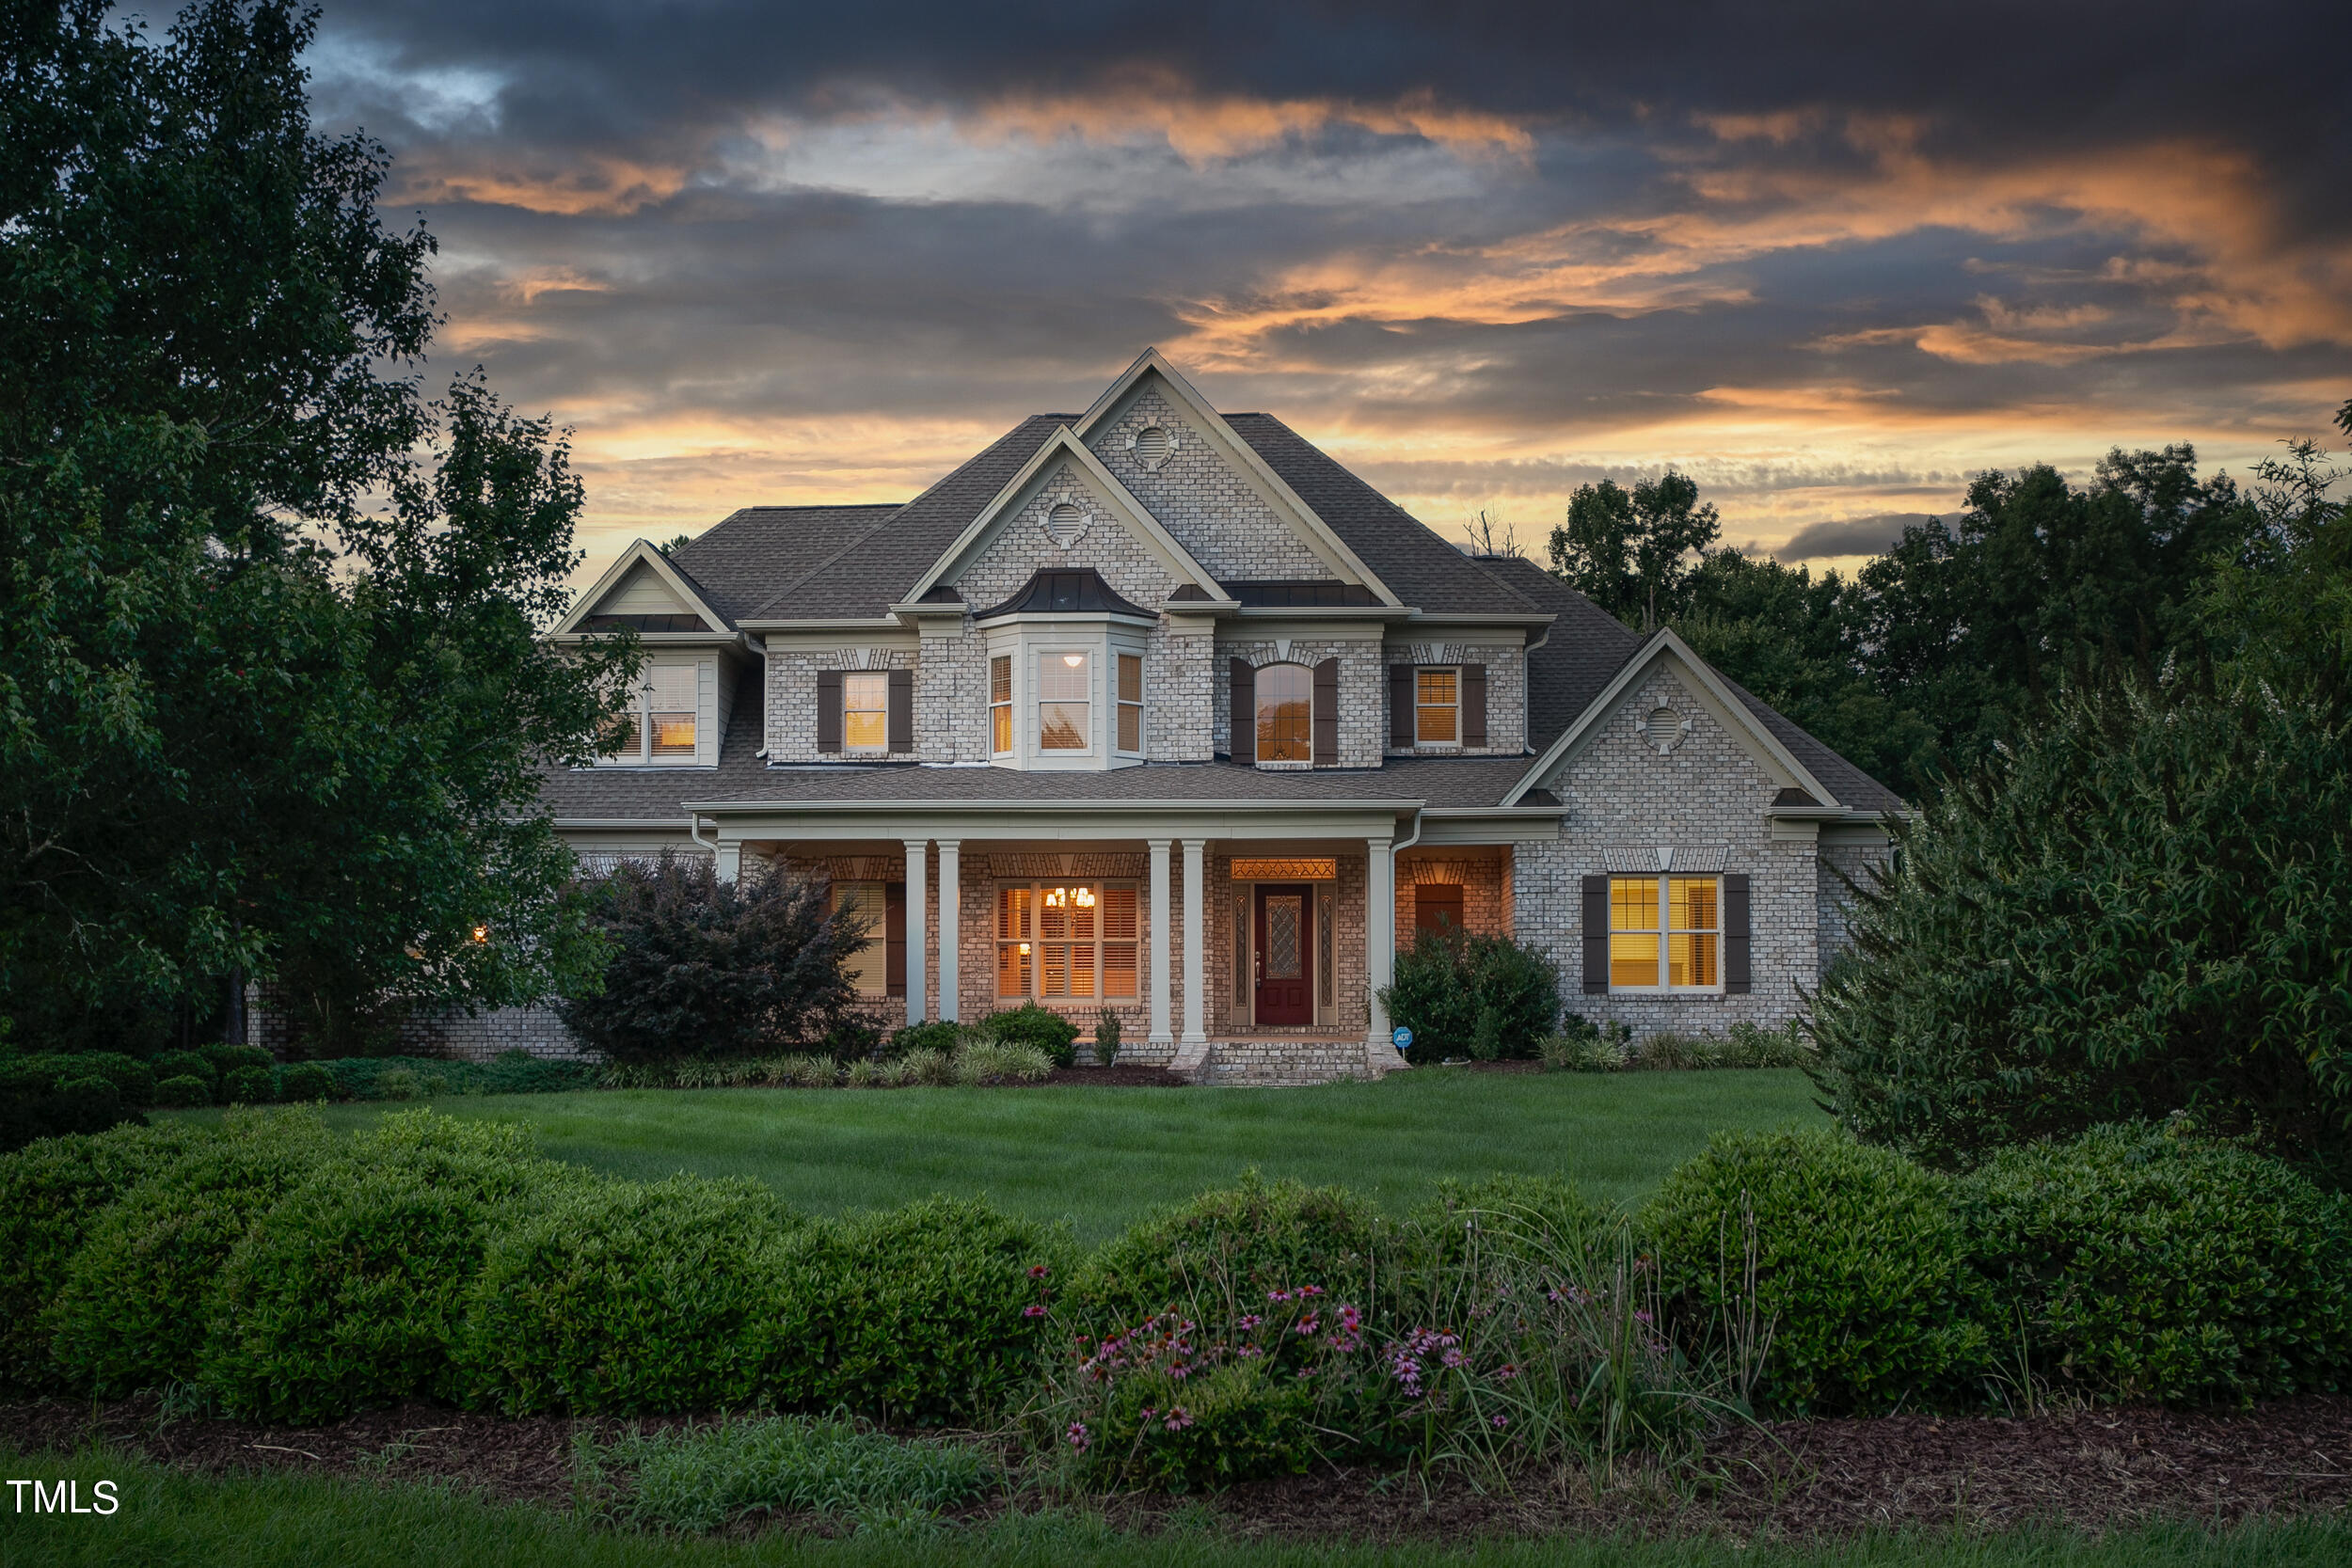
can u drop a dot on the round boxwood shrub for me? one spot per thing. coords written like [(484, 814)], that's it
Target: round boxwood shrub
[(1030, 1024), (133, 1080), (306, 1081), (1232, 1245), (942, 1037), (624, 1298), (50, 1195), (250, 1085), (349, 1292), (132, 1312), (1861, 1267), (2147, 1264), (913, 1314), (226, 1058), (186, 1090), (184, 1064)]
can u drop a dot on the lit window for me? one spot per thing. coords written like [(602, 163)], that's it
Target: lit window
[(1436, 708), (1063, 702), (1066, 942), (1131, 702), (865, 710), (869, 967), (659, 724), (1286, 713), (1680, 953), (1000, 703)]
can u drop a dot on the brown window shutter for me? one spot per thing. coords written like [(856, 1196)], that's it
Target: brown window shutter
[(1473, 704), (828, 710), (903, 710), (1736, 933), (892, 935), (1245, 711), (1328, 714), (1597, 935), (1400, 707)]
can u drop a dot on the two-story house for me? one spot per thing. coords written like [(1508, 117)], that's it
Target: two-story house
[(1162, 710)]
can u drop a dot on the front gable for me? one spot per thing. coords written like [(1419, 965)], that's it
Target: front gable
[(643, 593)]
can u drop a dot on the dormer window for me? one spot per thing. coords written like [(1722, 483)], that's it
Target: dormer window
[(659, 724), (1065, 690)]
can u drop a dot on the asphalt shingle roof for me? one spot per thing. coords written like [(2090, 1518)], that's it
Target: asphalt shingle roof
[(741, 562)]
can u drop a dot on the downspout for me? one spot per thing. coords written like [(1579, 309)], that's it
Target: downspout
[(695, 831), (1410, 839)]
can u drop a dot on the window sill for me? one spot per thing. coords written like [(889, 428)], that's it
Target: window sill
[(1284, 766), (1668, 993)]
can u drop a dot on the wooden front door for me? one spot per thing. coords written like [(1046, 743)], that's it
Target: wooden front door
[(1284, 919)]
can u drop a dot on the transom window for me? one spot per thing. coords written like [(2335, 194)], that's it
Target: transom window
[(1000, 703), (1436, 707), (1064, 702), (1679, 953), (865, 710), (659, 724), (1066, 942), (1286, 713), (1131, 702)]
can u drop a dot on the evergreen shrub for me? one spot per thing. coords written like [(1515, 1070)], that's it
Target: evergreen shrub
[(2144, 1263), (1230, 1246), (1476, 996), (183, 1091), (250, 1085), (1041, 1027), (134, 1308), (943, 1036), (184, 1064), (303, 1081), (1860, 1268)]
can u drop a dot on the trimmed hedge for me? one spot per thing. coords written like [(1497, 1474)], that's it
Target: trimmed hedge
[(350, 1292), (626, 1298), (2142, 1264), (1861, 1267), (133, 1310)]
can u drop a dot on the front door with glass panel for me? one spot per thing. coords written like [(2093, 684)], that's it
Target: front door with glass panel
[(1285, 954)]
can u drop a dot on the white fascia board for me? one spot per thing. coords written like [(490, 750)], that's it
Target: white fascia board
[(1150, 362), (637, 551), (848, 624), (1062, 444), (1664, 644)]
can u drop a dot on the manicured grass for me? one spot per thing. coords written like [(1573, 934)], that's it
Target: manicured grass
[(262, 1520), (1100, 1158)]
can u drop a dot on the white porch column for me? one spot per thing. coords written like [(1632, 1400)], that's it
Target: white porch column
[(918, 888), (951, 926), (1196, 949), (1379, 939), (1162, 1034), (730, 859)]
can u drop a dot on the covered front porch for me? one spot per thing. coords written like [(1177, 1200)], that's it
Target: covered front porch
[(1233, 945)]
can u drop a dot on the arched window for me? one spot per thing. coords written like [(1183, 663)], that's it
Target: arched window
[(1286, 713)]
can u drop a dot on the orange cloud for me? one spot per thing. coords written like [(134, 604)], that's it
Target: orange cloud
[(595, 184)]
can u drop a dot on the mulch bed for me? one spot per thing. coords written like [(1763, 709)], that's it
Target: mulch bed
[(2091, 1469), (1113, 1078)]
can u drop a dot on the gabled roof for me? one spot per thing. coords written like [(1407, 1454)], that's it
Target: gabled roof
[(1581, 653), (639, 553), (745, 560)]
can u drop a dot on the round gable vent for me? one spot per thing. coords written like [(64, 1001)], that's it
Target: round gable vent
[(1151, 445), (1662, 729), (1064, 523)]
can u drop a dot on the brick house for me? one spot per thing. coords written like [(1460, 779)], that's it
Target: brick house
[(1162, 710)]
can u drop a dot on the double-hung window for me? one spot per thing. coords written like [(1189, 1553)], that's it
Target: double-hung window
[(1436, 707), (869, 967), (1065, 692), (1066, 942), (865, 710), (1131, 703), (1665, 933), (1000, 703), (659, 724)]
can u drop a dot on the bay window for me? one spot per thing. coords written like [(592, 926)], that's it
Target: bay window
[(1065, 691), (1131, 703), (1000, 705)]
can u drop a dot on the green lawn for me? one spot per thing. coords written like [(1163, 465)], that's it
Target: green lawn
[(264, 1520), (1101, 1157)]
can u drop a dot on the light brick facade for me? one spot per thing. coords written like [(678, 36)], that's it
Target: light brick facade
[(1219, 515)]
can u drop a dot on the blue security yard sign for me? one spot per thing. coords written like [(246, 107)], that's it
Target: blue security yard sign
[(1403, 1038)]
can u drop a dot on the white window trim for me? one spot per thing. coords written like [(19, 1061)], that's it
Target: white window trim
[(1027, 639), (1665, 935), (642, 711), (1142, 705), (1039, 651), (848, 748), (1036, 992), (1257, 746), (1011, 705), (1455, 744)]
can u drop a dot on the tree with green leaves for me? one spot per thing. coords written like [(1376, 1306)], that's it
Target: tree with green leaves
[(1633, 552), (273, 700)]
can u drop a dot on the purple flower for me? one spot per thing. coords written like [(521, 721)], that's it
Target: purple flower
[(1177, 1419), (1453, 1358), (1249, 1321), (1078, 1435), (1039, 1271), (1502, 1421), (1033, 1310)]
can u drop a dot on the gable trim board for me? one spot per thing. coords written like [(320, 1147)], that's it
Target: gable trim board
[(1664, 648), (1320, 536), (640, 553)]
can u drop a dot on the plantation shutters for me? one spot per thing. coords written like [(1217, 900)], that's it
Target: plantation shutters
[(903, 710), (1245, 705), (1735, 932), (1400, 707), (1473, 704), (1595, 922), (895, 938), (828, 710), (1328, 714)]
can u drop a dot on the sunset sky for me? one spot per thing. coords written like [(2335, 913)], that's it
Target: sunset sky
[(1828, 261)]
